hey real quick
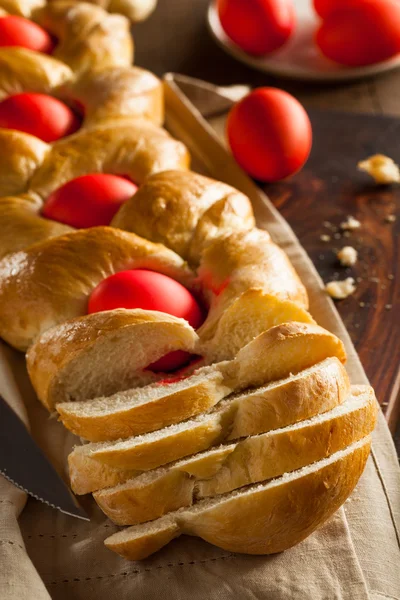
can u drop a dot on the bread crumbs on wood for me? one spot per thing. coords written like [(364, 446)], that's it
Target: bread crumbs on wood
[(351, 224), (381, 168), (347, 256), (338, 290)]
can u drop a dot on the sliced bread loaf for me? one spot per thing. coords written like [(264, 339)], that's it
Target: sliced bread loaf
[(284, 402), (259, 519), (247, 461), (275, 354)]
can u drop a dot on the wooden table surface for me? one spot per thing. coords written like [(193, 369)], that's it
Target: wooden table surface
[(176, 39)]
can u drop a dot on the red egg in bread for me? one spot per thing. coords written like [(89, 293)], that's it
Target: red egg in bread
[(149, 290), (17, 31), (40, 115), (88, 201)]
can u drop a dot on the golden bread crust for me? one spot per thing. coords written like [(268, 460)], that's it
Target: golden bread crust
[(135, 10), (24, 70), (241, 261), (22, 8), (245, 462), (246, 317), (131, 147), (21, 154), (264, 519), (88, 37), (117, 93), (292, 400), (50, 283), (22, 226), (174, 208)]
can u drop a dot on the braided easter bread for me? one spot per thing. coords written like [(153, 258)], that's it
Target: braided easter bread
[(23, 8), (161, 323), (97, 97), (100, 95), (20, 157), (87, 37), (135, 10), (129, 147)]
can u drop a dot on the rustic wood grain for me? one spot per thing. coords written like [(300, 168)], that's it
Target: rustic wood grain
[(328, 190), (176, 39)]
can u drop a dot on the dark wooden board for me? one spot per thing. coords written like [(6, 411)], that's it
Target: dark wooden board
[(329, 189)]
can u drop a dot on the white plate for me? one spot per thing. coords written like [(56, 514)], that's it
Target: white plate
[(299, 58)]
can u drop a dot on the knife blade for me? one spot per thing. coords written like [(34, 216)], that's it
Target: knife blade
[(24, 464)]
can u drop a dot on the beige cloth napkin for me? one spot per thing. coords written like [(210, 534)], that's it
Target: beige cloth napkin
[(355, 556)]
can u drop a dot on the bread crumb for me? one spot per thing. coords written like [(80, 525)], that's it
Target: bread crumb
[(390, 218), (327, 224), (388, 306), (338, 290), (374, 279), (391, 276), (362, 304), (347, 256), (337, 236), (351, 224), (325, 238), (381, 168)]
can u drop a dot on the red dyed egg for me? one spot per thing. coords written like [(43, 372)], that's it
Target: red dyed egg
[(17, 31), (257, 26), (270, 134), (149, 290), (89, 200), (358, 34), (38, 114)]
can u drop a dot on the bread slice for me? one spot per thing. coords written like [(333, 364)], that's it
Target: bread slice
[(275, 354), (260, 519), (235, 465), (146, 409), (103, 352), (284, 402), (250, 314)]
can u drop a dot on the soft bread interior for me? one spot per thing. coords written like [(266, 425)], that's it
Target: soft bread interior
[(104, 352), (259, 519), (147, 409), (278, 404), (248, 316), (273, 355), (253, 459)]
